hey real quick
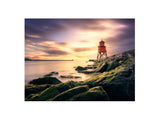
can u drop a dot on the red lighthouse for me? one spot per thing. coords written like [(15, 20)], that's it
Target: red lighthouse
[(102, 53)]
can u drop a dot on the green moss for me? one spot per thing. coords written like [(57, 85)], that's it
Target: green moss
[(65, 86), (45, 80), (34, 89), (100, 66), (72, 84), (110, 75), (80, 68), (93, 94), (45, 95), (70, 93), (129, 60)]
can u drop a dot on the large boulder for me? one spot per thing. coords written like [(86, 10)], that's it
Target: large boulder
[(45, 80)]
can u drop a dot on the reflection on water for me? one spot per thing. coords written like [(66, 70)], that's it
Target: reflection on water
[(36, 69)]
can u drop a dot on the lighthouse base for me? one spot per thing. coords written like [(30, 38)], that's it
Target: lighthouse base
[(101, 56)]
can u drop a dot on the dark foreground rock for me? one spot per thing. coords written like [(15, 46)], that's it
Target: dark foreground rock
[(70, 76), (45, 80)]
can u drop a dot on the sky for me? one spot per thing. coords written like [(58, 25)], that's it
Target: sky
[(77, 39)]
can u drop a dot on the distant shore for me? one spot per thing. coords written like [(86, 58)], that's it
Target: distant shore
[(27, 59)]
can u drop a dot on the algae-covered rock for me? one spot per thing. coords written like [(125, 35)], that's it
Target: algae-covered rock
[(87, 69), (93, 94), (80, 68), (70, 93), (50, 92), (45, 95), (70, 76), (45, 80), (33, 89)]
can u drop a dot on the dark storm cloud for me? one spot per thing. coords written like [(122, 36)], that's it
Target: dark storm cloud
[(85, 24), (126, 36), (55, 52), (44, 27)]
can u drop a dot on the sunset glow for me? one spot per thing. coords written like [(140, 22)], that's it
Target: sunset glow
[(66, 39)]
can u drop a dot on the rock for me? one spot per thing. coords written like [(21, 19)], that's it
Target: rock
[(87, 71), (45, 95), (51, 73), (70, 93), (34, 89), (93, 94), (69, 76), (80, 68), (45, 80), (91, 67), (54, 72), (34, 94)]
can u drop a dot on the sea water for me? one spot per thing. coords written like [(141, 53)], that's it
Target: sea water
[(37, 69)]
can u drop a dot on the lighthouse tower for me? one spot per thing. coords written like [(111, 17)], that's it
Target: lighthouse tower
[(102, 53)]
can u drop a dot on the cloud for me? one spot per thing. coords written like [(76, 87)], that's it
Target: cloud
[(83, 49), (43, 28), (56, 52), (62, 43), (85, 41), (125, 37)]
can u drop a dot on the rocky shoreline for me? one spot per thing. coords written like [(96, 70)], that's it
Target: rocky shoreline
[(113, 80)]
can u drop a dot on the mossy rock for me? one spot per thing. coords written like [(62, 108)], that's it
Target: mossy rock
[(45, 80), (70, 93), (34, 89), (80, 68), (93, 94), (52, 91), (45, 95), (67, 85), (120, 92)]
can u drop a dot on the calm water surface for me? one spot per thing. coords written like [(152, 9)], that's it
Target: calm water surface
[(36, 69)]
